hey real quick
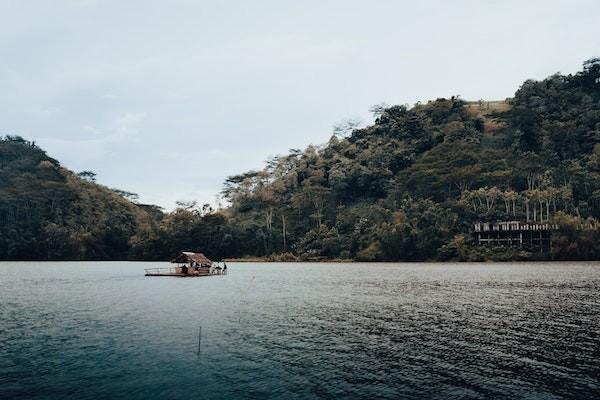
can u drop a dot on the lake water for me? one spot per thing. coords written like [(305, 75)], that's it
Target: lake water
[(300, 331)]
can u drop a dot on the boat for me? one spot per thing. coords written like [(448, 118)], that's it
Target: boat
[(189, 264)]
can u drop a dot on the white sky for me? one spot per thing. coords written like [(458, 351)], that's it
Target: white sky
[(167, 98)]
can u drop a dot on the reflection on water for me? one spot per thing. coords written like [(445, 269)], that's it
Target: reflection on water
[(295, 331)]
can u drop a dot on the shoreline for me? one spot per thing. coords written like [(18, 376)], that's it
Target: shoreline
[(350, 261), (322, 261), (298, 260)]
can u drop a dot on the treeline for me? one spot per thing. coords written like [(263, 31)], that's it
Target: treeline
[(408, 187)]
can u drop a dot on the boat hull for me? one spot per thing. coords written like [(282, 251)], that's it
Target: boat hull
[(179, 275)]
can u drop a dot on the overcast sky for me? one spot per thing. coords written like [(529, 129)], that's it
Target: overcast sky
[(167, 98)]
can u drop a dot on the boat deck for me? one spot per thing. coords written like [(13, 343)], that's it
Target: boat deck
[(176, 271)]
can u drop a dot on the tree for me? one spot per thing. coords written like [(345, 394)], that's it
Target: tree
[(378, 109), (87, 175), (346, 127), (128, 195)]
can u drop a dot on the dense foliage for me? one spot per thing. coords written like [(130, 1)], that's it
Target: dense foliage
[(408, 187), (47, 212)]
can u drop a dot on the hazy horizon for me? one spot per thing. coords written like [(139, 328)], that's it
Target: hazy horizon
[(166, 101)]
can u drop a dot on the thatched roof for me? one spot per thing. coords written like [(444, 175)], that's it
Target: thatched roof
[(188, 256)]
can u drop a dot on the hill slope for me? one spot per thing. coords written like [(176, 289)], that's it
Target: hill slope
[(47, 212), (408, 187)]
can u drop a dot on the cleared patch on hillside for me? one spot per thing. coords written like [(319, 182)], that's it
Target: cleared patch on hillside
[(490, 112)]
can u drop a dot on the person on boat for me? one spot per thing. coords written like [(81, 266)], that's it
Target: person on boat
[(196, 270), (224, 267)]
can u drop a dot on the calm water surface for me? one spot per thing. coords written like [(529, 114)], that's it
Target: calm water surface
[(300, 331)]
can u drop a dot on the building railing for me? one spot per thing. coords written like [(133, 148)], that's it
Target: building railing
[(513, 226)]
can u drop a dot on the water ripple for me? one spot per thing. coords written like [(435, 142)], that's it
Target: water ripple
[(301, 331)]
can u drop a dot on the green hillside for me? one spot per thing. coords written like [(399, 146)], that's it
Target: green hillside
[(48, 212), (408, 187)]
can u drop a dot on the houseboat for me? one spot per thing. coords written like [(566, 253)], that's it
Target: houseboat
[(189, 264)]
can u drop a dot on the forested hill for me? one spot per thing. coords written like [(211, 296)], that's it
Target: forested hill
[(408, 187), (48, 212)]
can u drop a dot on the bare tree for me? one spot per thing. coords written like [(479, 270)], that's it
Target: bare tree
[(346, 127), (378, 109)]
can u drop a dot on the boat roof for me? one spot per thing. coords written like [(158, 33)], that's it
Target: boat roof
[(188, 256)]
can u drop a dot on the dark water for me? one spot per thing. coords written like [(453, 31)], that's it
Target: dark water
[(295, 331)]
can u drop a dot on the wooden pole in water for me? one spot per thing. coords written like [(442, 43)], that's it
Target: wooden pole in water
[(199, 339)]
